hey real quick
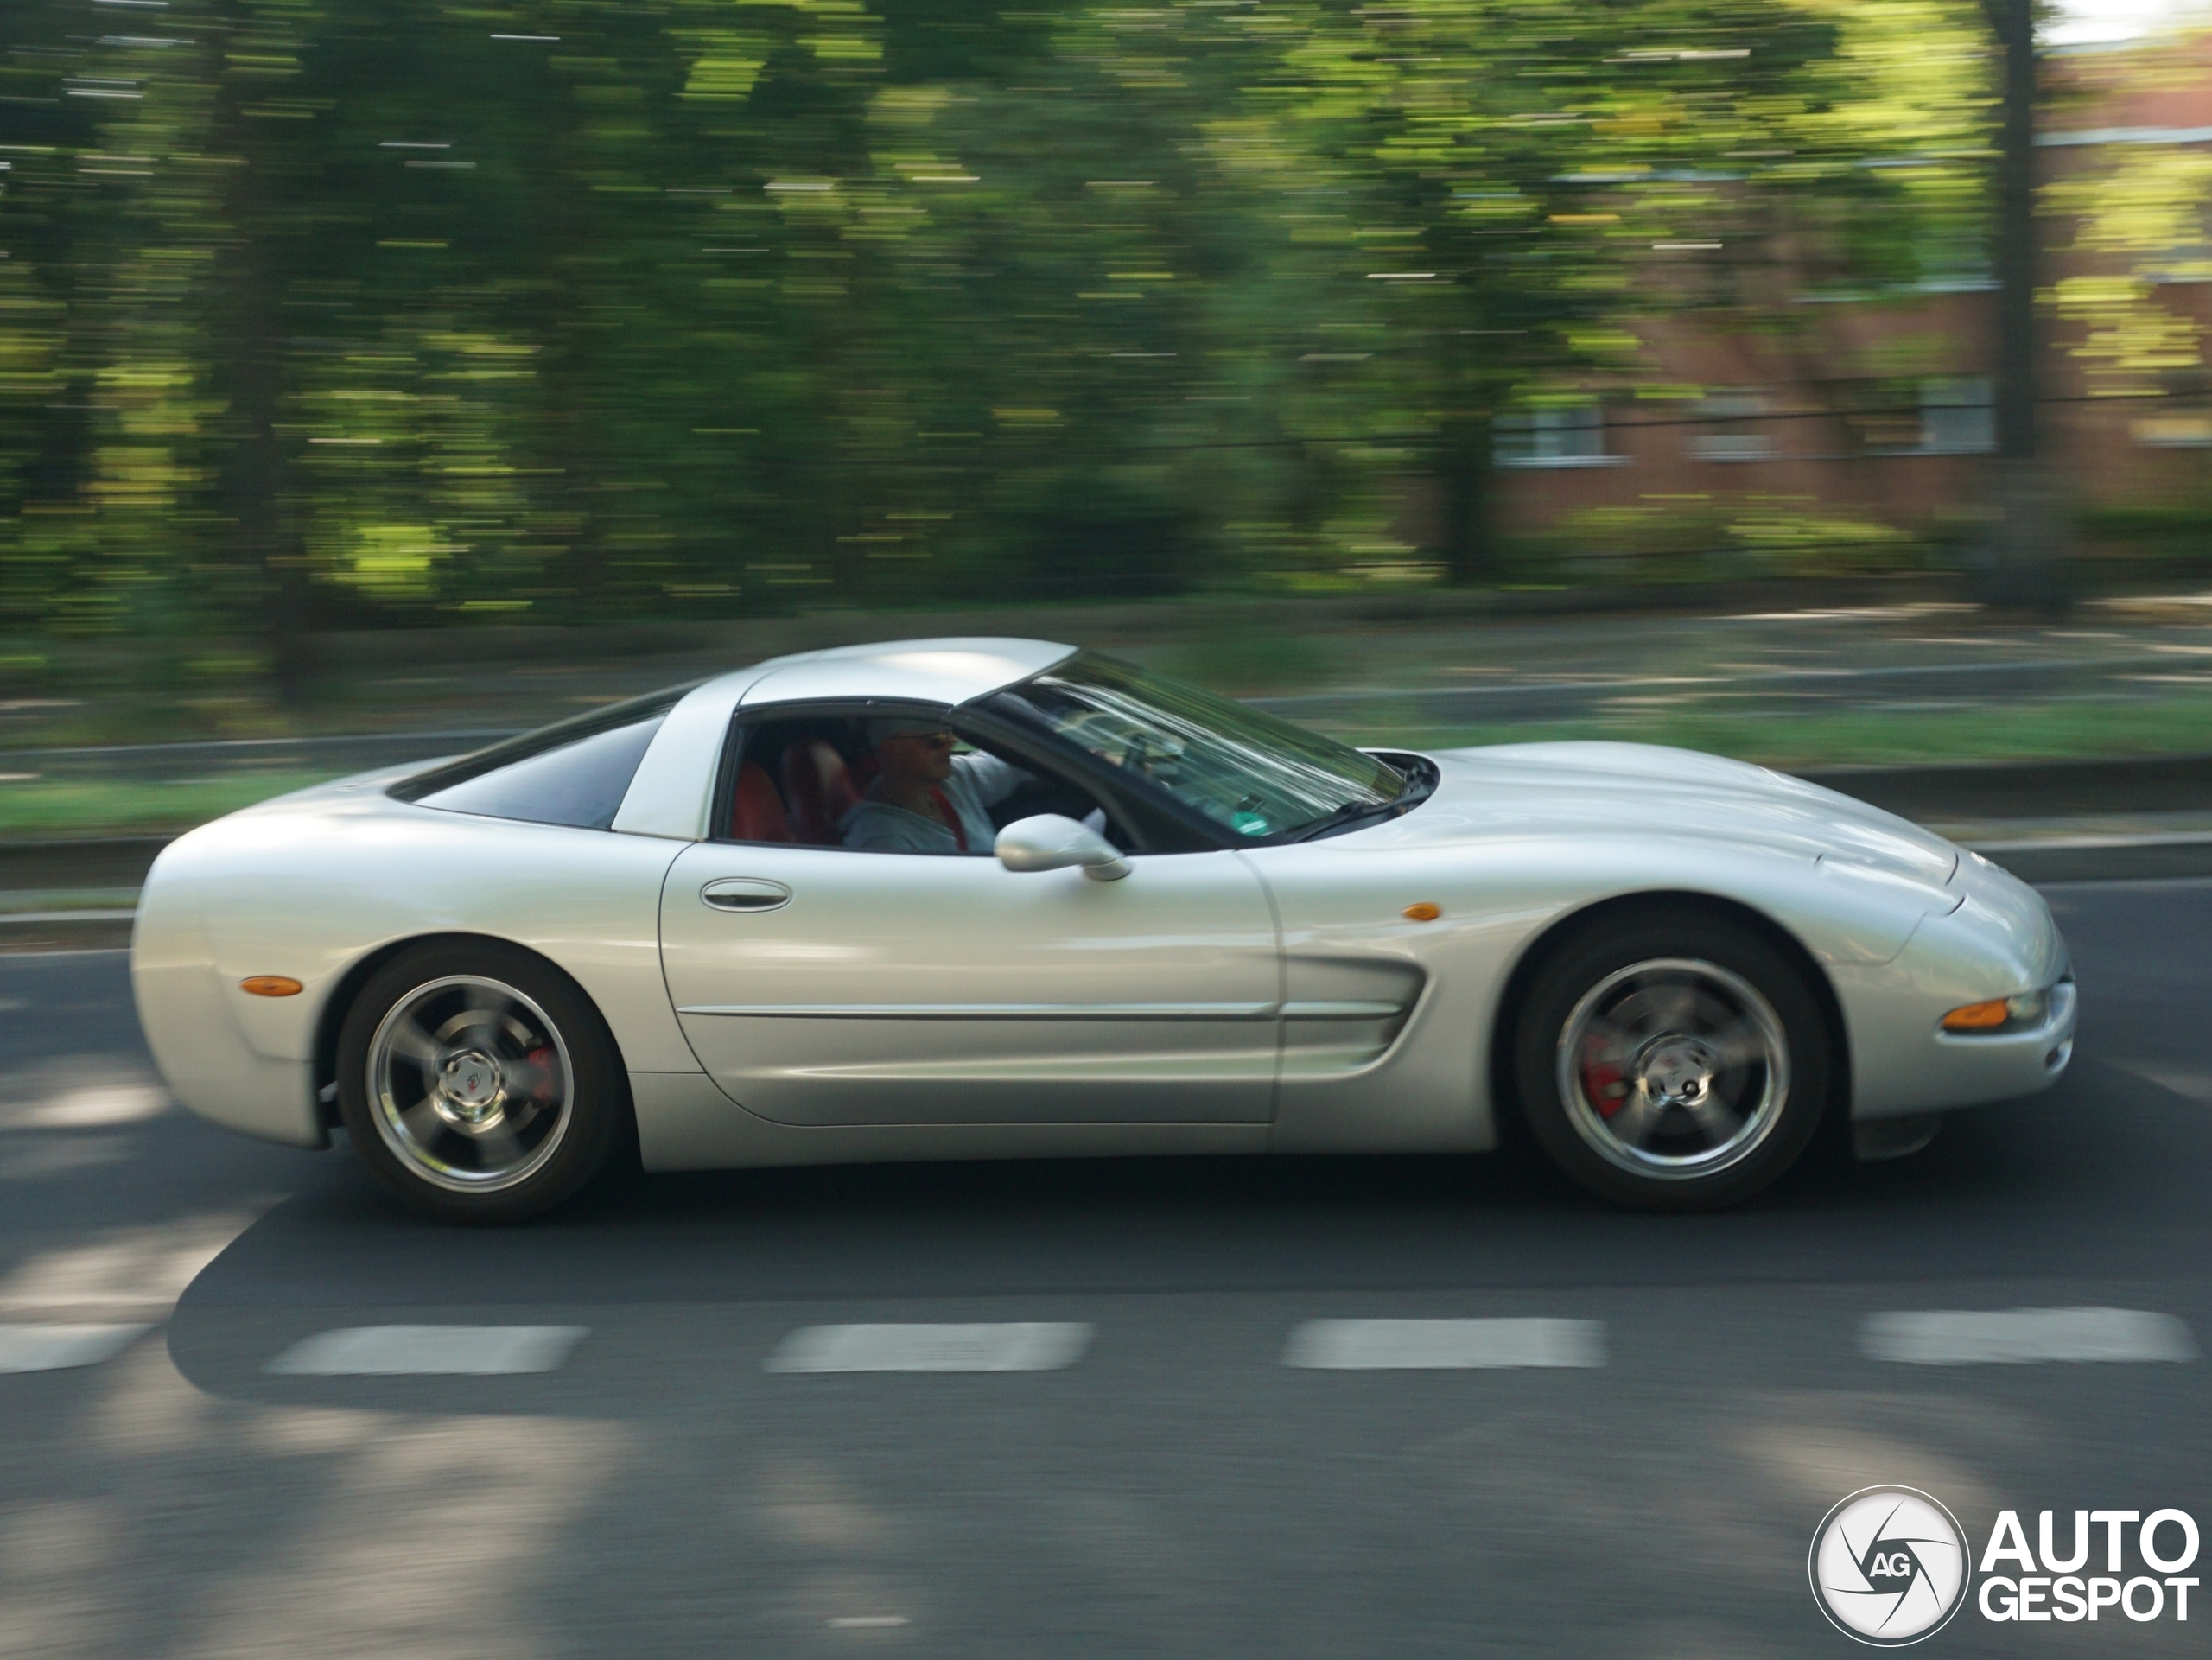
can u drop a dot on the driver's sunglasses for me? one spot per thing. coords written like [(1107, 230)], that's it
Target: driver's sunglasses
[(941, 739)]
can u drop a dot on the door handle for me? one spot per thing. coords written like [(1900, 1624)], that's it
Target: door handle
[(744, 894)]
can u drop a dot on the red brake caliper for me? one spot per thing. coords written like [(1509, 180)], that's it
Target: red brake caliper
[(1604, 1084), (543, 1060)]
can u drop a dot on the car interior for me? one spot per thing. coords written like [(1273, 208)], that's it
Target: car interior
[(797, 778)]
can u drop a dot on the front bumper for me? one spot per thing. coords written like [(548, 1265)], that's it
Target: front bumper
[(2001, 942)]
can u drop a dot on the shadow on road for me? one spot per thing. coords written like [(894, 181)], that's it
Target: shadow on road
[(2097, 1179)]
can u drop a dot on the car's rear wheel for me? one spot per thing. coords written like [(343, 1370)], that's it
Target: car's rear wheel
[(1672, 1059), (477, 1083)]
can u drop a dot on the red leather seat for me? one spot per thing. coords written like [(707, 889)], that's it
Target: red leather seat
[(819, 787), (757, 812)]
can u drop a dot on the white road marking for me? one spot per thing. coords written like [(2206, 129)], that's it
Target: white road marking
[(867, 1622), (57, 1348), (1424, 1345), (1953, 1337), (1012, 1346), (392, 1351)]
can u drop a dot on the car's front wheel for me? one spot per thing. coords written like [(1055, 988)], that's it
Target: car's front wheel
[(479, 1083), (1672, 1059)]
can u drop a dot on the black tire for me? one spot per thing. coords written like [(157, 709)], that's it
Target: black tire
[(479, 1083), (1671, 1058)]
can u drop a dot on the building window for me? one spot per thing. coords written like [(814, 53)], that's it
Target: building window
[(1958, 417), (1571, 435), (1726, 429)]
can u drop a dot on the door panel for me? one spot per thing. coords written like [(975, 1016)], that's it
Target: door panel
[(895, 988)]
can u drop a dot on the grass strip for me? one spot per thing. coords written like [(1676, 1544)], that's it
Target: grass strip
[(1788, 740), (45, 809), (58, 808)]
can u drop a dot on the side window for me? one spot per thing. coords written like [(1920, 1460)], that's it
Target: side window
[(856, 781), (575, 773), (797, 779)]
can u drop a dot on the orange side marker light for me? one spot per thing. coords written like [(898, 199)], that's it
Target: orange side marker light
[(270, 985), (1422, 911), (1977, 1017)]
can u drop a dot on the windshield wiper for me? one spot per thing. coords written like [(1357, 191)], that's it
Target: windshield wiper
[(1350, 814), (1418, 783)]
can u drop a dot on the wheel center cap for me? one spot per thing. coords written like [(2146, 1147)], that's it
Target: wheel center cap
[(1675, 1071), (470, 1088)]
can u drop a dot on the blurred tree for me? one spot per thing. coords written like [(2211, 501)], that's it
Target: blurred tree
[(320, 312), (1501, 175), (2142, 213), (2026, 517)]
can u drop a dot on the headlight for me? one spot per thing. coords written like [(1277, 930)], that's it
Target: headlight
[(2000, 1015)]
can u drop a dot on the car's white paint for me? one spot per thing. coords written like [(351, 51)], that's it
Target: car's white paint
[(1267, 998), (900, 989), (942, 671), (671, 795)]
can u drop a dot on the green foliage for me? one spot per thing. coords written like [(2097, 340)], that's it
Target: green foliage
[(320, 311), (2142, 212), (1714, 538)]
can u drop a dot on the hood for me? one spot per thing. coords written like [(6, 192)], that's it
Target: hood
[(1629, 789)]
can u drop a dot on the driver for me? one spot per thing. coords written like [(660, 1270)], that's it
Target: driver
[(924, 799)]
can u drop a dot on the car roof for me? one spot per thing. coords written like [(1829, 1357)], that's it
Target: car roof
[(949, 671)]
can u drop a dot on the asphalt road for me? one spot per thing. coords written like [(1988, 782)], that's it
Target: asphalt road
[(1177, 1490)]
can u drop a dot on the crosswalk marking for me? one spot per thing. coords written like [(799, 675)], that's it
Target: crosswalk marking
[(57, 1348), (392, 1351), (1950, 1337), (1428, 1344), (1012, 1346)]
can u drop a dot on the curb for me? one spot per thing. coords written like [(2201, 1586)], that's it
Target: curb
[(1979, 790), (95, 862), (2113, 859), (2105, 859), (88, 931), (2030, 789)]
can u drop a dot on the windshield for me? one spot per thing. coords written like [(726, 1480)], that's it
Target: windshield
[(1254, 774)]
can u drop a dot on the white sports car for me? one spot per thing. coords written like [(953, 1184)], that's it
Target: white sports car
[(998, 898)]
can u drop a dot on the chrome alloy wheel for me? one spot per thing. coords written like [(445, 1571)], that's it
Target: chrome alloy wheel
[(470, 1084), (1674, 1068)]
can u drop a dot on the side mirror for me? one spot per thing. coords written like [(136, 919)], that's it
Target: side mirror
[(1049, 841)]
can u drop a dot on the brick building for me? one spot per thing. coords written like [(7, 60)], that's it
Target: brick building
[(1876, 412)]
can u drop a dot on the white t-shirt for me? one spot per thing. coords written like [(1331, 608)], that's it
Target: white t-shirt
[(977, 780)]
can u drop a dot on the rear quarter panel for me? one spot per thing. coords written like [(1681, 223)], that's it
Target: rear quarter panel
[(309, 887), (197, 1042)]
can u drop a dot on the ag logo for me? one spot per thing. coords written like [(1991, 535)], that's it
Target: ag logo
[(1888, 1565)]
